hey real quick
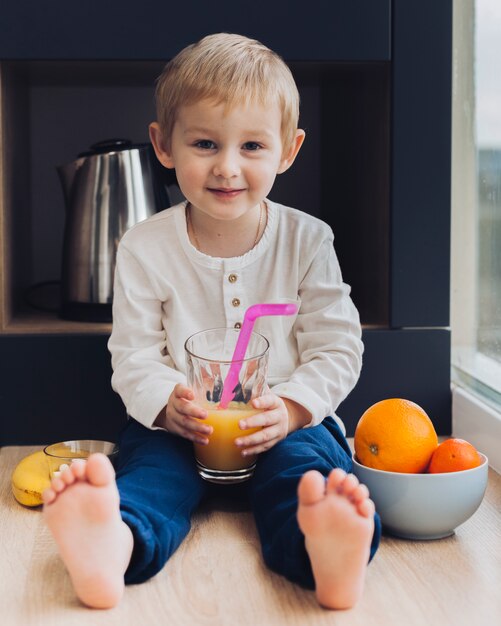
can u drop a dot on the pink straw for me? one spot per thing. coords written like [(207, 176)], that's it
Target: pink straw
[(251, 314)]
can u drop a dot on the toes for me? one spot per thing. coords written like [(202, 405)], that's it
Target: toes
[(342, 483), (348, 486), (359, 493), (366, 508), (57, 484), (67, 476), (311, 487), (99, 470), (78, 468), (48, 495), (335, 480)]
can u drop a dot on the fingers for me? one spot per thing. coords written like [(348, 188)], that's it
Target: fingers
[(267, 402), (193, 430), (271, 430), (185, 418), (182, 401), (273, 411), (272, 422), (182, 391), (189, 427), (260, 441)]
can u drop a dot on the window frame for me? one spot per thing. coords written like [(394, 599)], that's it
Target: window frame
[(476, 378)]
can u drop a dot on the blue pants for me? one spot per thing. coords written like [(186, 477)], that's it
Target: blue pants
[(160, 489)]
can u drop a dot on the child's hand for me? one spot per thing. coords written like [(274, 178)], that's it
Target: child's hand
[(181, 413), (278, 418)]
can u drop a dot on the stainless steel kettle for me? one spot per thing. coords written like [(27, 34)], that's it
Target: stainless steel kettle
[(107, 190)]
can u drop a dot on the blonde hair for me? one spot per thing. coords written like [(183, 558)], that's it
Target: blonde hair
[(230, 69)]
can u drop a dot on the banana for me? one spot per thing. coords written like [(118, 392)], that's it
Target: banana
[(30, 478)]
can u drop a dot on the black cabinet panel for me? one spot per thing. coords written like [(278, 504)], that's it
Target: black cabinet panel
[(54, 388), (157, 29), (410, 364), (421, 157)]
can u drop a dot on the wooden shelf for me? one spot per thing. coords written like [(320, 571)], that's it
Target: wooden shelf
[(41, 323)]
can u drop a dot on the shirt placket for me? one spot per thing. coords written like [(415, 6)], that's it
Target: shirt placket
[(234, 298)]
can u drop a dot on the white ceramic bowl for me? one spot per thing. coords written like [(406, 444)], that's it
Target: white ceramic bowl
[(424, 506)]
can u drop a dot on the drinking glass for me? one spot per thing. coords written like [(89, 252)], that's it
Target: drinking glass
[(65, 452), (208, 359)]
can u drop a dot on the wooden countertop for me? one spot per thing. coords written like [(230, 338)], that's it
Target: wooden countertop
[(217, 577)]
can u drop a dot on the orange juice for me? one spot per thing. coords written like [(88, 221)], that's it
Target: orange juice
[(59, 454), (221, 453)]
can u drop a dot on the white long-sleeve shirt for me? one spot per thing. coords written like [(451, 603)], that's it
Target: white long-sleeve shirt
[(166, 290)]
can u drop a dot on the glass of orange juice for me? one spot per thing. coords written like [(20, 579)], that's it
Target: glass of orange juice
[(208, 359)]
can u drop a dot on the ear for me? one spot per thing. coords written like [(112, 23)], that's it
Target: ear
[(288, 159), (163, 153)]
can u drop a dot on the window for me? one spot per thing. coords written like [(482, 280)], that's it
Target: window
[(476, 199)]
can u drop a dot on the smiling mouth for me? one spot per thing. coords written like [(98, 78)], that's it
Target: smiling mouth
[(225, 192)]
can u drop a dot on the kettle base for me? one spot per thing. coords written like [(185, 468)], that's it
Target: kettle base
[(86, 312)]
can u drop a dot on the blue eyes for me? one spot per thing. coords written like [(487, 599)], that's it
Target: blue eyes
[(207, 144)]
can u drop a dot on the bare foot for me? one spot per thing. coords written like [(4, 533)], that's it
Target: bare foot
[(81, 509), (337, 519)]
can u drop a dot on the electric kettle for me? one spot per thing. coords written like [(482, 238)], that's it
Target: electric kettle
[(106, 190)]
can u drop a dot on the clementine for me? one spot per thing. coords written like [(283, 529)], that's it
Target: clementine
[(395, 435), (454, 455)]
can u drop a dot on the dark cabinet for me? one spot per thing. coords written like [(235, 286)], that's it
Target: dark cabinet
[(381, 170), (318, 30)]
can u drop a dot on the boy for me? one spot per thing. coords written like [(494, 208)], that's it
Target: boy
[(227, 113)]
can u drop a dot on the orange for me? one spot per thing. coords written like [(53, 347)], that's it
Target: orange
[(395, 435), (454, 455)]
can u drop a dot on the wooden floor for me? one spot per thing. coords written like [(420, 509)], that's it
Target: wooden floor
[(217, 577)]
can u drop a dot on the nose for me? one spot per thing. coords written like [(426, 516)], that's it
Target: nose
[(226, 165)]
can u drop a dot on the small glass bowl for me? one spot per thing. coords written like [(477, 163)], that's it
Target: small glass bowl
[(64, 452)]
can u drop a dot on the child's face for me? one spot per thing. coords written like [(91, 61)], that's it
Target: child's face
[(226, 161)]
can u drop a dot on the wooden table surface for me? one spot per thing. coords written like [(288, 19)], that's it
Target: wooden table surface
[(217, 577)]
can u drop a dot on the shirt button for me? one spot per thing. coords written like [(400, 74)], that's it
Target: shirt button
[(232, 278), (235, 302), (238, 325)]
